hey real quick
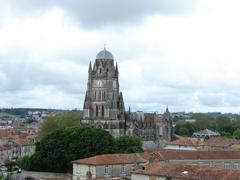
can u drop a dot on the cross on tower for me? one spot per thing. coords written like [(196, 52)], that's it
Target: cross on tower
[(105, 44)]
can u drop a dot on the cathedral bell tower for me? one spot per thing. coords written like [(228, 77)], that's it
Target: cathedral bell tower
[(103, 104)]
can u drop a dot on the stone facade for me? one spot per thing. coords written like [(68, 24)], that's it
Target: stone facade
[(104, 105), (152, 126), (107, 166)]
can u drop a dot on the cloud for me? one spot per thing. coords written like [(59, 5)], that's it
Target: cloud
[(95, 13), (189, 62)]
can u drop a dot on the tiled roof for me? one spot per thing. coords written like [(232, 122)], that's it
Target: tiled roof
[(194, 155), (112, 159), (21, 142), (212, 142), (187, 141), (184, 171), (219, 142), (4, 147)]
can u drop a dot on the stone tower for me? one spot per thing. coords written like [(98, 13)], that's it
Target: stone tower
[(103, 104)]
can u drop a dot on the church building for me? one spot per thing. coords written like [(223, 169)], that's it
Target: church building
[(103, 104)]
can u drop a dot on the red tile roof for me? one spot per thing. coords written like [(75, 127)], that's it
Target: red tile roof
[(112, 159), (194, 155), (21, 142), (183, 171), (219, 142), (4, 147), (186, 141)]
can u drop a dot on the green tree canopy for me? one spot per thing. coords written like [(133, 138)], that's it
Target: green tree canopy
[(184, 131), (60, 120), (221, 123), (56, 150), (128, 144), (236, 133)]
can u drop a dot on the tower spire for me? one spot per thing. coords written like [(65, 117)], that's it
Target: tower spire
[(167, 110), (90, 67), (116, 67)]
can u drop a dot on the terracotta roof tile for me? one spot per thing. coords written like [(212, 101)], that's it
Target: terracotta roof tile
[(194, 155), (219, 142), (188, 172), (4, 147), (21, 142), (112, 159), (186, 141)]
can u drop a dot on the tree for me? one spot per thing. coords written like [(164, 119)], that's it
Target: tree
[(56, 150), (236, 133), (183, 131), (9, 164), (128, 144), (224, 125), (60, 120), (204, 121), (186, 129), (24, 162)]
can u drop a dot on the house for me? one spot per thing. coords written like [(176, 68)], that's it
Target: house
[(222, 159), (5, 153), (219, 143), (15, 144), (206, 133), (107, 166), (167, 171), (22, 148), (193, 144)]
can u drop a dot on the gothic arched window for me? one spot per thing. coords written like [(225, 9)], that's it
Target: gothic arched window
[(102, 111), (96, 110), (99, 95), (104, 95)]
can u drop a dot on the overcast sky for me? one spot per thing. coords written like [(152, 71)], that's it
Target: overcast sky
[(184, 54)]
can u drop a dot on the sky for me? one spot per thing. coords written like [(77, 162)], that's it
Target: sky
[(183, 54)]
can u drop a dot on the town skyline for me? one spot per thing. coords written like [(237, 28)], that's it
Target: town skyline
[(182, 55)]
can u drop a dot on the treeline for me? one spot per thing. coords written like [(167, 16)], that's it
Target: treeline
[(63, 140), (23, 111), (222, 124)]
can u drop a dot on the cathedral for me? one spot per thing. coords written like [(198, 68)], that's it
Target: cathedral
[(104, 106)]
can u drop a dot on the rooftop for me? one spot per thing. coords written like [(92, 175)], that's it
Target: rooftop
[(187, 141), (112, 159), (188, 171), (206, 132), (213, 141), (164, 155)]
